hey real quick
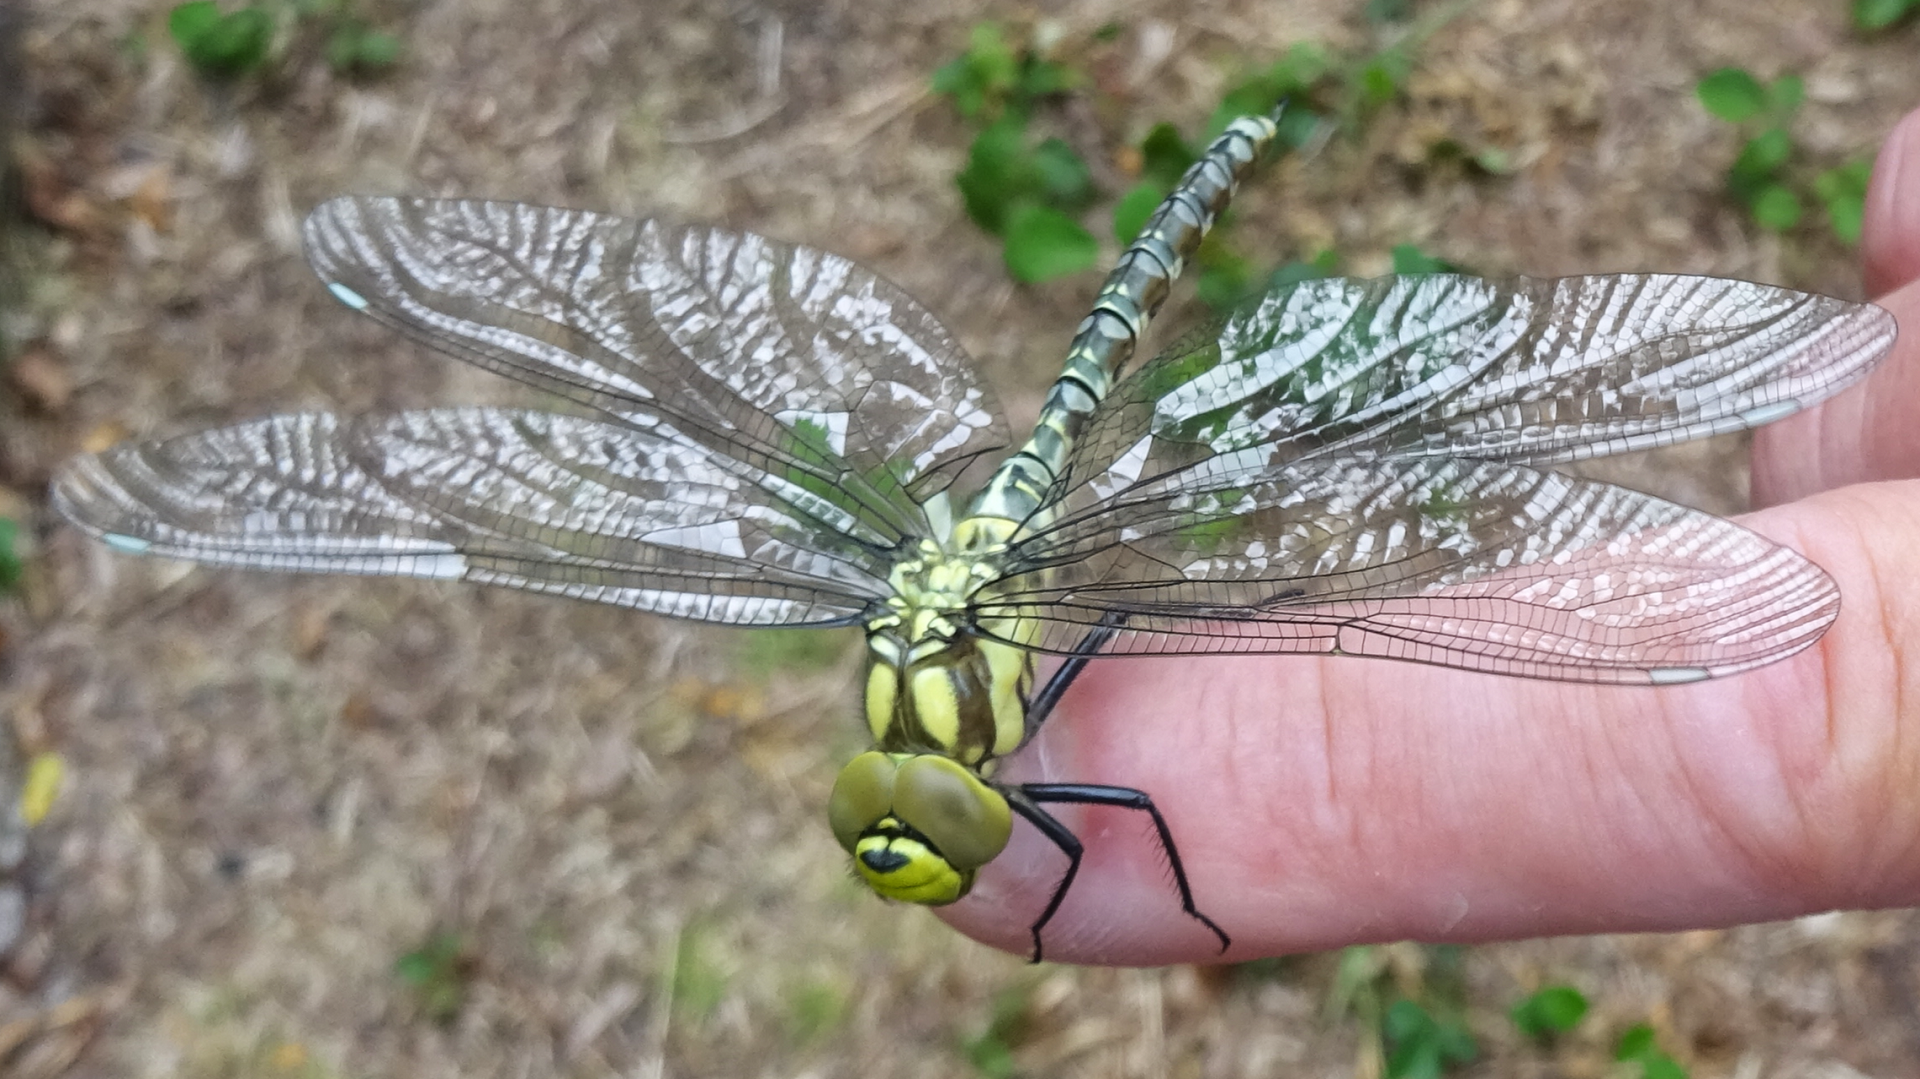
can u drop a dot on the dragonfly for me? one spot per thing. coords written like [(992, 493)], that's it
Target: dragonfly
[(760, 433)]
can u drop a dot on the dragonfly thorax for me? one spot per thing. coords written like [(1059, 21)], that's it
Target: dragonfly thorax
[(934, 683)]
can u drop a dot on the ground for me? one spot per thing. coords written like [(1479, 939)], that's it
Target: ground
[(277, 788)]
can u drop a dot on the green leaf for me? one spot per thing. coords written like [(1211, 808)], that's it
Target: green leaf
[(1553, 1010), (1759, 159), (1635, 1043), (1324, 264), (10, 567), (955, 79), (1064, 180), (980, 79), (1732, 94), (1042, 78), (1131, 212), (1224, 281), (1784, 96), (1042, 243), (991, 182), (1843, 191), (1880, 14), (1381, 78), (1422, 1045), (1408, 258), (356, 47), (1776, 208), (436, 972), (221, 46)]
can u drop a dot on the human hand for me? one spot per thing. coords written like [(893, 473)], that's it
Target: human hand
[(1323, 802)]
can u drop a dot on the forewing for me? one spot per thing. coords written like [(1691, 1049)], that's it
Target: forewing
[(724, 337), (1486, 566), (1524, 370), (532, 500)]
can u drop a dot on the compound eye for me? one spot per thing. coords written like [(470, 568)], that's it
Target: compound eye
[(862, 797), (966, 821)]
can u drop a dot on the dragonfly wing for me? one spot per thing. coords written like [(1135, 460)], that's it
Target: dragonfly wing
[(532, 500), (1526, 370), (1486, 566), (724, 337)]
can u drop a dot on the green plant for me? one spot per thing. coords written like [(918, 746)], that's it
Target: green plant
[(1843, 191), (240, 42), (353, 47), (1763, 176), (697, 984), (1549, 1012), (1408, 258), (437, 971), (10, 567), (991, 1051), (1756, 179), (1423, 1044), (221, 45), (1024, 190), (1638, 1046), (1880, 14)]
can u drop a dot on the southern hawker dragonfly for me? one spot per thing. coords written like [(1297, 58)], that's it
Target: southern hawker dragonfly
[(766, 434)]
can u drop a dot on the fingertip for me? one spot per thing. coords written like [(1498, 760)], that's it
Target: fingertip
[(1890, 235)]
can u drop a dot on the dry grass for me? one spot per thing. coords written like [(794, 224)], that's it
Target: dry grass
[(279, 787)]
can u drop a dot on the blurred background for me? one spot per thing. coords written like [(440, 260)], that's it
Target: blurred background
[(275, 826)]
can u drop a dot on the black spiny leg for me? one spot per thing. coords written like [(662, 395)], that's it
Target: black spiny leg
[(1026, 800)]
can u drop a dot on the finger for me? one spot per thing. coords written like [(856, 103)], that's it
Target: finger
[(1318, 803), (1868, 432), (1890, 236)]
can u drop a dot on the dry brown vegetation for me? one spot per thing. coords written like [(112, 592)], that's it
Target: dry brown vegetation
[(278, 787)]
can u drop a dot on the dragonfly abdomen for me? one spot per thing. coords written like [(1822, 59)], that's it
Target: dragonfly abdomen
[(1127, 301)]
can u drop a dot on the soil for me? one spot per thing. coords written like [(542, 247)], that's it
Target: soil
[(599, 836)]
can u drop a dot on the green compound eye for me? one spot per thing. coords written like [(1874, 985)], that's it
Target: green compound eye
[(966, 820), (861, 798)]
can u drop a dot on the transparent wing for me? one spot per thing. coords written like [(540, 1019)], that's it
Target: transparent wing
[(741, 343), (1525, 370), (1487, 566), (533, 500)]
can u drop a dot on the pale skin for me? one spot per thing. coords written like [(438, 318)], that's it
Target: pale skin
[(1325, 802)]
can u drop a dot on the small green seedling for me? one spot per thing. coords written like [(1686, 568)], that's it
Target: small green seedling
[(1843, 191), (1638, 1046), (1408, 258), (991, 1051), (1762, 177), (1024, 190), (1880, 14), (10, 567), (354, 48), (437, 972), (1550, 1012), (221, 45), (1755, 179), (232, 44), (1424, 1044), (697, 983)]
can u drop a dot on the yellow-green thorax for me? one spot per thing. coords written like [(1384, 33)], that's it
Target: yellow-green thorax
[(933, 685), (942, 702)]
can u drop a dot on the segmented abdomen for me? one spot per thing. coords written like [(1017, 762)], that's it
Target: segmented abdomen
[(1127, 301)]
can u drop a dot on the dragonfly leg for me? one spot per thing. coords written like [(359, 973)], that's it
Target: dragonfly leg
[(1043, 704), (1027, 799)]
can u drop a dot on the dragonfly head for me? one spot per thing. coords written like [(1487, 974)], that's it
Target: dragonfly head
[(917, 824)]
